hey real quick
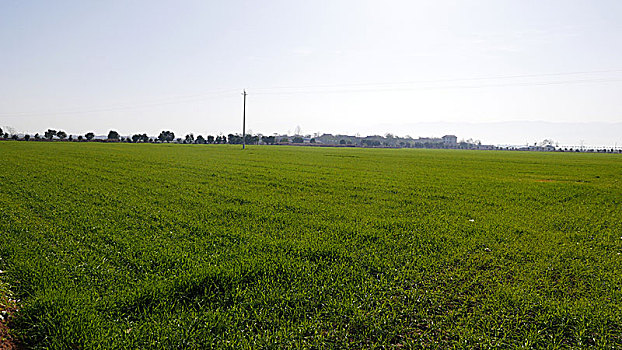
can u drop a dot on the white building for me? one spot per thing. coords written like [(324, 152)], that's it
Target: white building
[(450, 140)]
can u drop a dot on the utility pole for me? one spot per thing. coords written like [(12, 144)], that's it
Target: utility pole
[(244, 121)]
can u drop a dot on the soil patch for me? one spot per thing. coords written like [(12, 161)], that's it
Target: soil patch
[(8, 308)]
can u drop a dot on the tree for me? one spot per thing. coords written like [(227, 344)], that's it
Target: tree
[(200, 140), (37, 137), (210, 139), (89, 136), (268, 140), (546, 142), (50, 134), (234, 139), (312, 140), (6, 135), (26, 137), (139, 138), (249, 139), (14, 137), (70, 138), (167, 136), (61, 134), (113, 135), (189, 138), (298, 139), (1, 132), (285, 140), (220, 139), (80, 138)]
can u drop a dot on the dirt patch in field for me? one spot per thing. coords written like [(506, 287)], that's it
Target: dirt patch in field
[(8, 308), (7, 341)]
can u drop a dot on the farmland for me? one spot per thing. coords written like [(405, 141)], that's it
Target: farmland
[(196, 246)]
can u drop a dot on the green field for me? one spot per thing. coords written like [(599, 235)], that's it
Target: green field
[(195, 246)]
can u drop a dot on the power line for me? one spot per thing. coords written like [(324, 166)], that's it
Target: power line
[(344, 88), (447, 87), (171, 101), (498, 77)]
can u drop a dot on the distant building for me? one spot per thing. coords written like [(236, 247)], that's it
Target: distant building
[(450, 140)]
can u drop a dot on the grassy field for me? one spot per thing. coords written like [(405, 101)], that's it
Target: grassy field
[(184, 246)]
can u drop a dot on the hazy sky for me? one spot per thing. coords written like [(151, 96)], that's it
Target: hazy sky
[(328, 66)]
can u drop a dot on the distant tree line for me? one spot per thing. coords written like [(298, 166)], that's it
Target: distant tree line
[(386, 141), (165, 136)]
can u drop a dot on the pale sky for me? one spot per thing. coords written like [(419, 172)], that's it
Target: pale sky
[(327, 66)]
